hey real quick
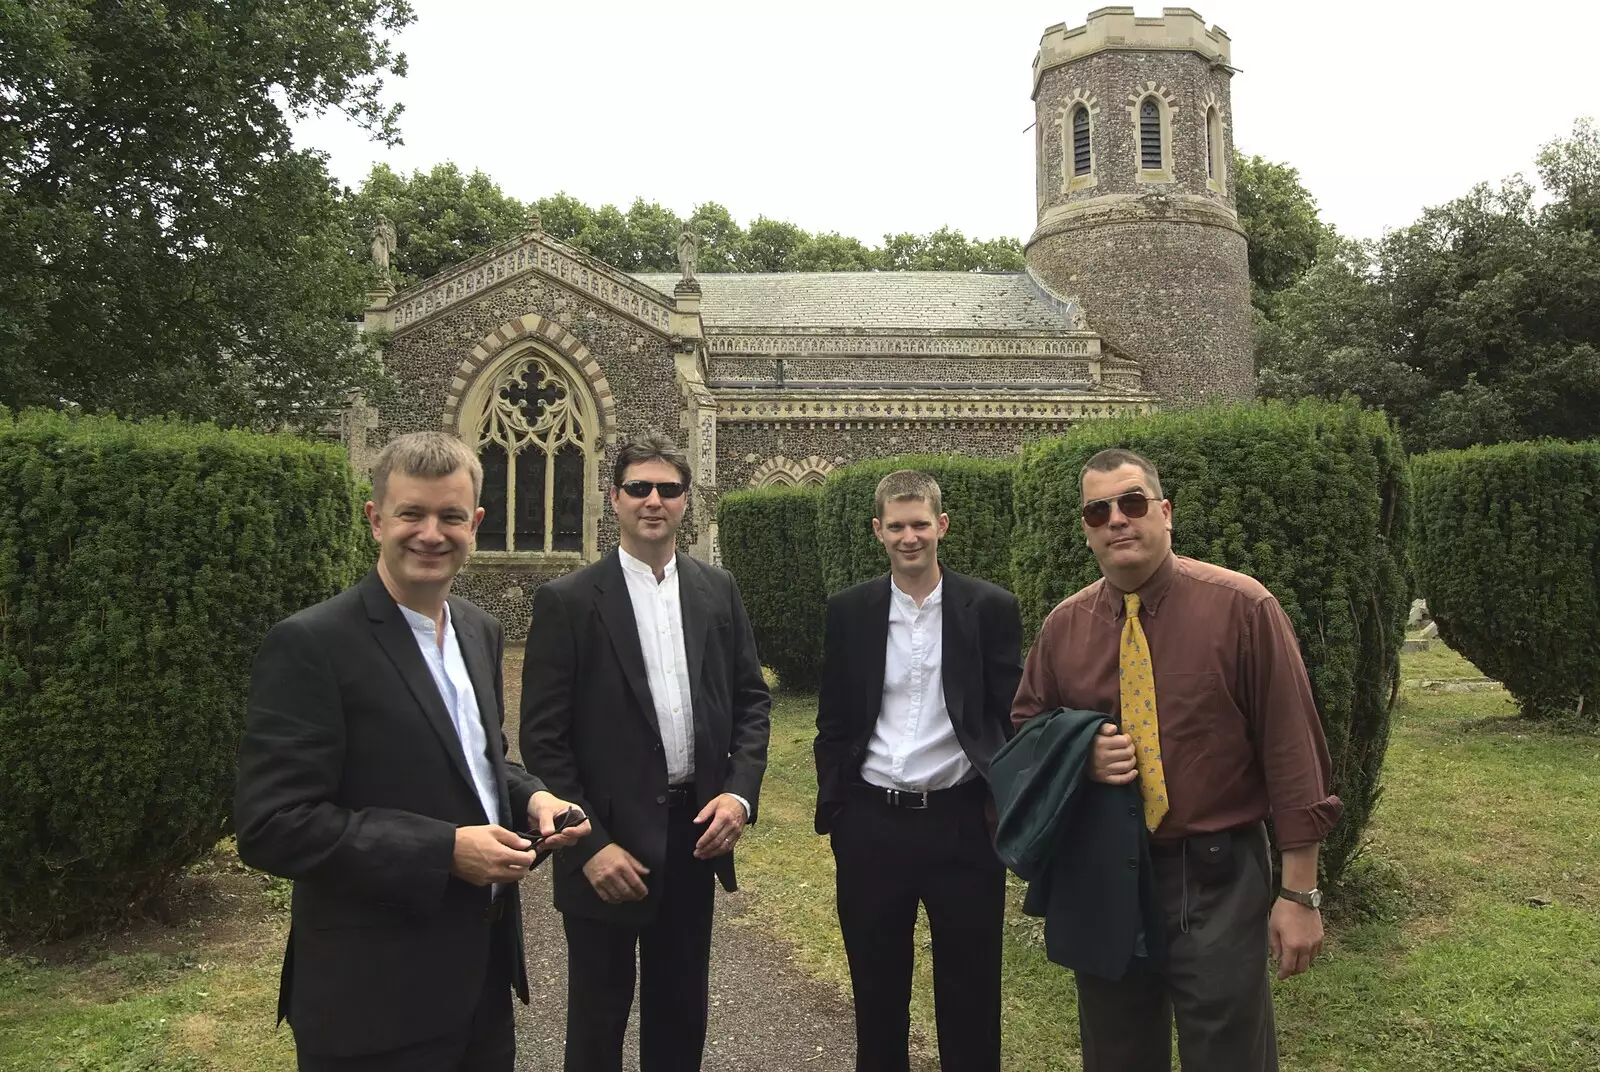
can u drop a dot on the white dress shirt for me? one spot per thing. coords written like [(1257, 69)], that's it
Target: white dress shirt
[(461, 700), (658, 614), (914, 743)]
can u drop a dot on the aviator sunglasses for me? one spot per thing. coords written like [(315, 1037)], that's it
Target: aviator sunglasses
[(640, 489), (1133, 504)]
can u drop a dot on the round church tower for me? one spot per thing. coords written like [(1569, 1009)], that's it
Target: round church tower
[(1136, 203)]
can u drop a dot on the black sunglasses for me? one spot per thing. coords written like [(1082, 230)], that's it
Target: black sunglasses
[(641, 489), (1133, 504)]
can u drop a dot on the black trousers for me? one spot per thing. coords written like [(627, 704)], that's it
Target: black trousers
[(1215, 983), (888, 860), (674, 969), (487, 1043)]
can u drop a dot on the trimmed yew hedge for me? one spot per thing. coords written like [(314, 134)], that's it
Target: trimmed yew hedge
[(1311, 500), (140, 566), (768, 539), (1507, 554)]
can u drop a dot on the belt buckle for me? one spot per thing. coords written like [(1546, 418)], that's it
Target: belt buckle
[(904, 798)]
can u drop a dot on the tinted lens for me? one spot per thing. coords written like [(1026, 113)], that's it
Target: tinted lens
[(1133, 505), (641, 489), (1096, 513)]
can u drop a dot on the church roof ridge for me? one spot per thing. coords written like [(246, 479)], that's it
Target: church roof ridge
[(866, 301)]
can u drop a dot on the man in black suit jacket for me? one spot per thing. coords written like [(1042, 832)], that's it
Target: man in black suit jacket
[(919, 670), (373, 773), (642, 700)]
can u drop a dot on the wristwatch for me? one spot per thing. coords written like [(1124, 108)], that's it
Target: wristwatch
[(1311, 898)]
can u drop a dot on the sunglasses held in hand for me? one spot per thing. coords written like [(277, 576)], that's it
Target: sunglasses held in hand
[(640, 489), (1133, 504), (570, 817)]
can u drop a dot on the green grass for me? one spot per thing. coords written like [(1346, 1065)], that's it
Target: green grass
[(1469, 936)]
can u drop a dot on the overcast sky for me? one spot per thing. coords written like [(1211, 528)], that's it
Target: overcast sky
[(875, 116)]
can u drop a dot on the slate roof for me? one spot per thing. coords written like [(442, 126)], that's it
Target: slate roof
[(894, 301)]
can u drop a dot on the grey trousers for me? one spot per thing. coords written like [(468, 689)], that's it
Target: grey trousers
[(1216, 897)]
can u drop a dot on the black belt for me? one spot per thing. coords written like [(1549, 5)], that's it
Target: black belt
[(1204, 844), (679, 796), (914, 800)]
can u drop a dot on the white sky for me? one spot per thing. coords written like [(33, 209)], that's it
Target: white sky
[(886, 116)]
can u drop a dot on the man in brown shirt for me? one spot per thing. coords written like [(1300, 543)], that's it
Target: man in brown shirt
[(1218, 726)]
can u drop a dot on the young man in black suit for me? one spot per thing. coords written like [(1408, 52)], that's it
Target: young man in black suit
[(642, 700), (919, 670), (373, 773)]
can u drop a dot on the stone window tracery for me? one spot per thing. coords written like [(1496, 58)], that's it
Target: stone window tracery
[(534, 429), (781, 472)]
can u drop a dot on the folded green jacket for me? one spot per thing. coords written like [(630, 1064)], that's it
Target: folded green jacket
[(1081, 846)]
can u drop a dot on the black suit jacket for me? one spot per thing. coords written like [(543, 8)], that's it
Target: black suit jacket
[(589, 725), (352, 781), (982, 664)]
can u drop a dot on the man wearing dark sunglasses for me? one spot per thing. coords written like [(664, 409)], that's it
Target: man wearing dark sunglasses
[(642, 697), (1200, 670)]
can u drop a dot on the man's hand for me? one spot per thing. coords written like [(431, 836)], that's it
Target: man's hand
[(615, 875), (1295, 934), (1112, 760), (725, 814), (543, 808), (489, 854)]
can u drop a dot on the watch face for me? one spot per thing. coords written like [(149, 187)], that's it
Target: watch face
[(1315, 898)]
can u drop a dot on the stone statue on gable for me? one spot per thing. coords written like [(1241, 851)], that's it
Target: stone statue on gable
[(384, 242), (688, 252)]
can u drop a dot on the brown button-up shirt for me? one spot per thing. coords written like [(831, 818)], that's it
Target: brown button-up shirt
[(1240, 736)]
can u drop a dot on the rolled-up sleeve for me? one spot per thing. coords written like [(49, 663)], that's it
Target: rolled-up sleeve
[(1292, 747)]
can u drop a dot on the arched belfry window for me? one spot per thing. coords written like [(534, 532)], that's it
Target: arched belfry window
[(1150, 157), (534, 426), (1082, 162)]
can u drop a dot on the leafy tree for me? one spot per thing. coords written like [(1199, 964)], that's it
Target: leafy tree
[(441, 217), (771, 245), (564, 216), (165, 248), (1280, 222), (722, 240), (1478, 323), (833, 252), (655, 237)]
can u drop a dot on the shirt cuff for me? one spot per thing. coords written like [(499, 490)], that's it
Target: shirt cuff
[(746, 804), (1298, 827)]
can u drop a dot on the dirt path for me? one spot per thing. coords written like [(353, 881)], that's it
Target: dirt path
[(765, 1014)]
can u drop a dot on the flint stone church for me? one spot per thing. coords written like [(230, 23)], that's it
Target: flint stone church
[(1136, 293)]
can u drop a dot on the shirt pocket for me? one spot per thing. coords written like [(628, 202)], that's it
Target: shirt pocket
[(1186, 712)]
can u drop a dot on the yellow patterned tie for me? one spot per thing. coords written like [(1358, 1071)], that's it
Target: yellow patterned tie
[(1138, 681)]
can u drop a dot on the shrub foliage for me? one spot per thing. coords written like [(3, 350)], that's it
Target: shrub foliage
[(1507, 555), (1312, 501), (140, 565), (977, 496), (768, 539)]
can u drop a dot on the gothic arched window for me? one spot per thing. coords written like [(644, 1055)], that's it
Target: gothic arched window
[(1150, 135), (535, 436), (1082, 162)]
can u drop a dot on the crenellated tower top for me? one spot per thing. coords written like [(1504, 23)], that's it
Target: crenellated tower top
[(1179, 29)]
